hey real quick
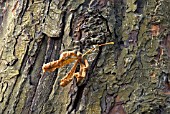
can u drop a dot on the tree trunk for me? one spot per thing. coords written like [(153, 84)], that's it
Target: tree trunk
[(131, 76)]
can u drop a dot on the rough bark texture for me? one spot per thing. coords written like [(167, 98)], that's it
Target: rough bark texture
[(131, 76)]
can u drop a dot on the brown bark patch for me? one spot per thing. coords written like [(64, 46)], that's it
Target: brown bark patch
[(155, 30), (118, 108)]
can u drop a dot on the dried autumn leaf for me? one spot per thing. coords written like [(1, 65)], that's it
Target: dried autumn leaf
[(67, 58), (67, 79), (155, 30), (68, 54), (82, 72), (50, 67)]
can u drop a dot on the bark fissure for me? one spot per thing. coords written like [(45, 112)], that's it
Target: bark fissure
[(49, 51), (34, 81), (50, 54), (76, 98), (140, 5), (25, 5), (21, 69)]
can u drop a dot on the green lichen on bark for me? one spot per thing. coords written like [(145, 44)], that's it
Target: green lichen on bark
[(135, 69), (16, 51), (141, 52)]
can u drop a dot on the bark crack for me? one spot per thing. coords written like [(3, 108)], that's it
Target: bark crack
[(77, 95), (25, 5)]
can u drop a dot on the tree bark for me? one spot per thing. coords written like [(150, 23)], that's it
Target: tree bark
[(129, 77)]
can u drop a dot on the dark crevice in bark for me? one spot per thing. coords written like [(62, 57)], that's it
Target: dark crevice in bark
[(132, 40), (72, 19), (20, 70), (27, 70), (34, 84), (46, 9), (55, 56), (79, 92), (16, 41), (24, 8), (8, 98), (40, 48), (65, 3), (140, 5), (103, 102), (35, 99), (50, 56), (78, 98), (107, 25), (61, 34), (16, 59), (72, 94), (49, 50), (71, 25), (119, 8)]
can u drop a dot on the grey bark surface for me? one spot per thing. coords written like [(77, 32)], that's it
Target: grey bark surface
[(129, 77)]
